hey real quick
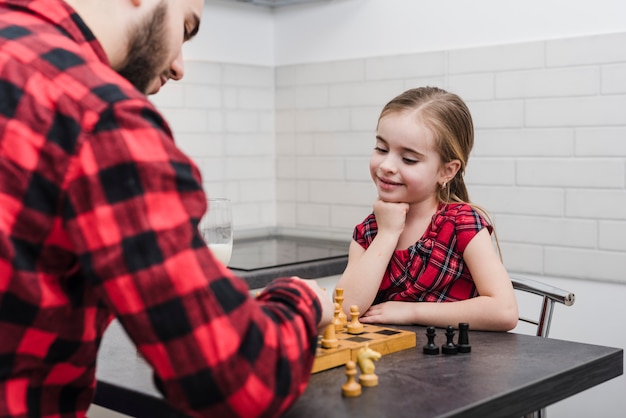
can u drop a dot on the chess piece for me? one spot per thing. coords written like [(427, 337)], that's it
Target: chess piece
[(355, 327), (431, 347), (329, 340), (365, 359), (337, 320), (449, 347), (339, 299), (463, 342), (351, 388)]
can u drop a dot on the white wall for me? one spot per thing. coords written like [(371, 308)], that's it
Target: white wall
[(233, 32), (288, 142), (330, 30), (549, 161), (342, 29), (222, 116)]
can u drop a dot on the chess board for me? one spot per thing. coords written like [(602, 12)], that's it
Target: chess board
[(382, 339)]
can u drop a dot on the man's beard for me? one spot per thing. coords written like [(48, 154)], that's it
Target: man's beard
[(147, 51)]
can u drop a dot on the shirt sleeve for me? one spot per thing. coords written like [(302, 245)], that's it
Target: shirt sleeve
[(132, 209)]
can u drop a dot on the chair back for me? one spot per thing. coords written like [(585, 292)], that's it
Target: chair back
[(550, 295)]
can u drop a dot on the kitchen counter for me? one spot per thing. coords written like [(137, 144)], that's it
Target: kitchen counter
[(259, 260)]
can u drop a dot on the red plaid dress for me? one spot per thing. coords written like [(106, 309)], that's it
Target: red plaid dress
[(431, 270)]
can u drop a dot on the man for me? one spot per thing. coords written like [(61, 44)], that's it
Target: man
[(98, 219)]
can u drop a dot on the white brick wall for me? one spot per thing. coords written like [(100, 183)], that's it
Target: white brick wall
[(549, 162), (290, 145), (223, 116)]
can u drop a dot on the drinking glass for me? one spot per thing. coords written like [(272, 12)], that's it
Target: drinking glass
[(216, 228)]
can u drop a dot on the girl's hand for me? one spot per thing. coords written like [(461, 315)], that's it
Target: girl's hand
[(390, 217), (392, 312)]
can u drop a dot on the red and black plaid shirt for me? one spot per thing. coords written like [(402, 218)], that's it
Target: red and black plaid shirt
[(431, 270), (98, 219)]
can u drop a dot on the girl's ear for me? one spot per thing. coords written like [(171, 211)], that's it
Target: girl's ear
[(449, 170)]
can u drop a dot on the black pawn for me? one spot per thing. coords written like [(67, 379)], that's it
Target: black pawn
[(449, 347), (463, 344), (431, 347)]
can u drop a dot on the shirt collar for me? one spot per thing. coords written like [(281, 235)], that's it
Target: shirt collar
[(67, 21)]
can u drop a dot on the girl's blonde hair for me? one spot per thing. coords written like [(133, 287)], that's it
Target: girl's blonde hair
[(449, 119)]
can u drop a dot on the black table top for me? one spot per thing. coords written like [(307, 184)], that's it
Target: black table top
[(505, 374), (259, 260), (281, 250)]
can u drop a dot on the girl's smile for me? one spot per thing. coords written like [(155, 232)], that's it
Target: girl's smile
[(389, 185)]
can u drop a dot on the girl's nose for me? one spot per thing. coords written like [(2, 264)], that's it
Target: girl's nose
[(388, 165)]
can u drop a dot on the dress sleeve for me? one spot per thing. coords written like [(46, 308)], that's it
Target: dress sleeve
[(365, 232), (132, 211), (469, 222)]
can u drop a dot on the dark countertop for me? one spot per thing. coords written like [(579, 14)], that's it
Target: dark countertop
[(261, 259), (505, 375)]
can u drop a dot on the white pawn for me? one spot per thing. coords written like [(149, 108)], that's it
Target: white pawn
[(351, 388), (329, 340), (355, 327)]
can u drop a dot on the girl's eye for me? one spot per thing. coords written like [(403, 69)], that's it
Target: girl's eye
[(409, 161), (380, 150)]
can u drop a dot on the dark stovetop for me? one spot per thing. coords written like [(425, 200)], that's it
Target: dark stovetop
[(261, 259)]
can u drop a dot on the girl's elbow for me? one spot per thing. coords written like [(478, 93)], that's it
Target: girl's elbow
[(509, 319), (510, 324)]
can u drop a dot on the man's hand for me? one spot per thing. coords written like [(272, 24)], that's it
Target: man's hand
[(328, 307)]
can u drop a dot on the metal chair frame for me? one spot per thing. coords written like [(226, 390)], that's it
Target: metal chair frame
[(551, 295)]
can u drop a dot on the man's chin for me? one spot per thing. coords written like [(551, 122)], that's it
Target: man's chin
[(153, 90), (154, 87)]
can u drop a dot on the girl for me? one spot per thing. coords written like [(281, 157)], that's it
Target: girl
[(425, 241)]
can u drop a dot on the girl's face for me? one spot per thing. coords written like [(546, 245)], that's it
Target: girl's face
[(405, 166)]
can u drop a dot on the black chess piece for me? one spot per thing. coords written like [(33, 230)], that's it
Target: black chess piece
[(449, 347), (431, 347), (463, 342)]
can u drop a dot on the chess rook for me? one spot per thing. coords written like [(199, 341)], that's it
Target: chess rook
[(463, 342)]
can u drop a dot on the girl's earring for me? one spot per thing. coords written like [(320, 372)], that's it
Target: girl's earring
[(443, 185)]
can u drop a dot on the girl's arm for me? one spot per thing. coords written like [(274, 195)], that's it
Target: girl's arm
[(495, 309), (366, 268), (364, 272)]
